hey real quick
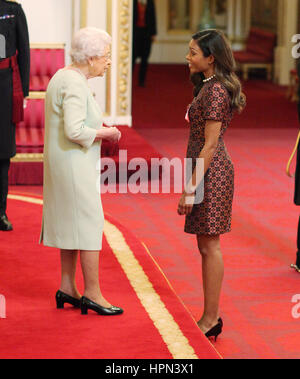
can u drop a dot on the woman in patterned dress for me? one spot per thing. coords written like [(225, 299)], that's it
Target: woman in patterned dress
[(217, 96)]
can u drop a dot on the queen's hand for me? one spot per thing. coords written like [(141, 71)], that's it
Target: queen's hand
[(111, 134)]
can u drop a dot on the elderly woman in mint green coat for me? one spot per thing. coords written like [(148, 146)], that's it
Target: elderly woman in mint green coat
[(72, 213)]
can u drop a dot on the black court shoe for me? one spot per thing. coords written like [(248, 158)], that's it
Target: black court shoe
[(215, 331), (62, 298), (86, 304), (5, 224)]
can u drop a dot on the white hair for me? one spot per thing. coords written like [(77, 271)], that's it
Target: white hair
[(89, 43)]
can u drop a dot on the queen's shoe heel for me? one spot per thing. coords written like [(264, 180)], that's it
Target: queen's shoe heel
[(62, 298), (84, 309), (60, 304)]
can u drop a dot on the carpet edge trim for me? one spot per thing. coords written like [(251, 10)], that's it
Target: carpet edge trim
[(177, 343), (173, 290), (25, 199)]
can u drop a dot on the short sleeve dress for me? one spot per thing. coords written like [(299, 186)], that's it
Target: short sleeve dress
[(213, 215)]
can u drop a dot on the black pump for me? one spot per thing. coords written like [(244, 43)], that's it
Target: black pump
[(216, 330), (86, 304), (62, 298)]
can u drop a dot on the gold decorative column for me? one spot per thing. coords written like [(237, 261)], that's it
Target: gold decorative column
[(124, 58), (83, 13), (231, 19), (287, 27), (118, 23), (108, 76)]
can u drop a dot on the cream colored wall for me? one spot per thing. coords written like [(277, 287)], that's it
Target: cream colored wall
[(114, 91), (49, 21), (96, 17), (169, 47), (54, 21), (172, 46)]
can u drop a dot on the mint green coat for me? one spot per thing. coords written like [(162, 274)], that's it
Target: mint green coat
[(72, 212)]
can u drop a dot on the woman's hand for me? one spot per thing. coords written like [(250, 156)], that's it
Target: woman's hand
[(186, 203), (111, 134), (114, 135)]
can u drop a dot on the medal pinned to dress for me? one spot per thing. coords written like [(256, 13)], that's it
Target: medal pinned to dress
[(187, 118), (7, 16)]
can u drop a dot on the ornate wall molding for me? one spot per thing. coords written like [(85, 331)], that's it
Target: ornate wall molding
[(118, 23), (124, 58), (108, 75), (264, 15), (83, 13), (287, 27)]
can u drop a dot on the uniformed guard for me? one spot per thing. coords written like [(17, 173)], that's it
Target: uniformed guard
[(14, 86)]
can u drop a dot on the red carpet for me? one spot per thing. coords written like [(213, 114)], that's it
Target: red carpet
[(259, 285), (256, 302), (163, 103), (155, 323)]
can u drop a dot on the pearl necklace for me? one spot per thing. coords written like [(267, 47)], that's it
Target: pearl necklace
[(208, 79)]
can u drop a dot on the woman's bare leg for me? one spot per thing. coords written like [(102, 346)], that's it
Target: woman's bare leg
[(68, 272), (212, 274), (90, 269)]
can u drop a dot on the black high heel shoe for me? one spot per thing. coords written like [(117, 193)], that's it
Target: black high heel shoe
[(215, 331), (62, 298), (86, 304)]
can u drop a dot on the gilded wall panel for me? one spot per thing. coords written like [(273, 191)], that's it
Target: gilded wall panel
[(124, 58), (298, 16), (264, 14)]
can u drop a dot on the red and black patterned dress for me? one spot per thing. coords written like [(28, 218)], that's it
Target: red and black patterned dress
[(213, 215)]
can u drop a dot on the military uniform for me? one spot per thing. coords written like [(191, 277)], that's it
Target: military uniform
[(14, 86)]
